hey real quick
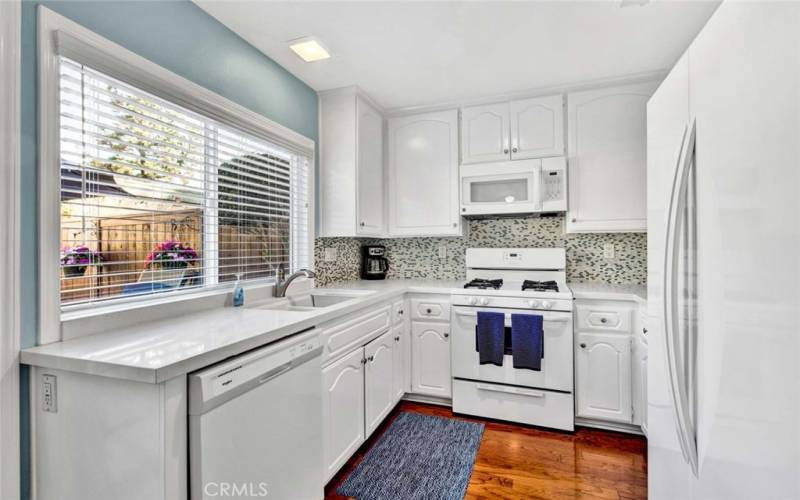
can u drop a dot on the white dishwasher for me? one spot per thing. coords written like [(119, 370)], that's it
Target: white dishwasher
[(255, 424)]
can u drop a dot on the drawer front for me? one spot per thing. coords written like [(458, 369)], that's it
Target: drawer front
[(604, 318), (398, 311), (430, 309), (340, 338), (515, 404)]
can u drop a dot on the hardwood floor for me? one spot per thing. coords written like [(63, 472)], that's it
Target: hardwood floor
[(517, 461)]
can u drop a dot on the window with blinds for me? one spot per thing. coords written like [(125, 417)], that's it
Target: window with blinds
[(156, 198)]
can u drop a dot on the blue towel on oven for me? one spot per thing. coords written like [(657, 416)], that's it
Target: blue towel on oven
[(491, 332), (527, 341)]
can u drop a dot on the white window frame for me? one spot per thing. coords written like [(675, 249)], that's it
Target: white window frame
[(59, 36), (10, 57)]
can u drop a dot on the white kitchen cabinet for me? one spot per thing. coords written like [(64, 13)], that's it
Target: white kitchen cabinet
[(351, 165), (603, 370), (516, 130), (485, 134), (430, 359), (607, 159), (423, 175), (640, 382), (379, 380), (402, 355), (537, 127), (342, 410)]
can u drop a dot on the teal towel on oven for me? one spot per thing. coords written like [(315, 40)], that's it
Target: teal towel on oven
[(491, 333), (527, 341)]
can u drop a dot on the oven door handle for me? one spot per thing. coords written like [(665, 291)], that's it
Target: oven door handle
[(549, 319)]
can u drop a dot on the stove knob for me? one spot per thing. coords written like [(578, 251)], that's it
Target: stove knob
[(533, 304), (546, 304), (473, 300), (485, 301)]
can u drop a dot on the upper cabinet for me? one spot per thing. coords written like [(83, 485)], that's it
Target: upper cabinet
[(351, 165), (423, 175), (525, 128), (607, 159)]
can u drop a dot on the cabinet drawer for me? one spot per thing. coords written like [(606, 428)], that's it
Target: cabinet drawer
[(430, 309), (604, 318), (515, 404), (398, 311), (340, 338)]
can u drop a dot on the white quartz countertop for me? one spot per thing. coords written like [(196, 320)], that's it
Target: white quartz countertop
[(158, 350), (605, 291)]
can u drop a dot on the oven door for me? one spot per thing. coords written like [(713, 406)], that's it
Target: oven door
[(501, 188), (556, 372)]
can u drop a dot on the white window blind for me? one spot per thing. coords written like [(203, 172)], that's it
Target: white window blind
[(156, 198)]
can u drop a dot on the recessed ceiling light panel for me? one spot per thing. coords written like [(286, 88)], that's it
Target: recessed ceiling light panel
[(309, 49)]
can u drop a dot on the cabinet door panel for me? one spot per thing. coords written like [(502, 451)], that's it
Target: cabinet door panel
[(640, 384), (484, 133), (379, 380), (423, 170), (370, 171), (607, 159), (400, 377), (342, 410), (430, 359), (537, 127), (604, 376)]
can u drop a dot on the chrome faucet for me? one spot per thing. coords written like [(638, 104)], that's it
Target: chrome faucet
[(282, 284)]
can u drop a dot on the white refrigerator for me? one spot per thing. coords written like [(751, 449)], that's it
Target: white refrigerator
[(723, 194)]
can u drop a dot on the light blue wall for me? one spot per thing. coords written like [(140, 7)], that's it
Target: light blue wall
[(181, 37)]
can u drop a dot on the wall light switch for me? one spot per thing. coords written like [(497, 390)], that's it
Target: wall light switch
[(330, 254), (442, 252), (608, 251), (49, 395)]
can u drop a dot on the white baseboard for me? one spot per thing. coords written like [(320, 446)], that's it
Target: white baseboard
[(608, 426), (433, 400)]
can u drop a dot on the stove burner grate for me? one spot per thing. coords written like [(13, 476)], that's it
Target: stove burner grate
[(540, 286), (483, 284)]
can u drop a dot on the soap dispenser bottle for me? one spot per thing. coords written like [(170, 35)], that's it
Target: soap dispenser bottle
[(238, 292)]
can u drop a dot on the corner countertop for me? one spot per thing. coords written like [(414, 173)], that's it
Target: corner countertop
[(158, 350), (605, 291)]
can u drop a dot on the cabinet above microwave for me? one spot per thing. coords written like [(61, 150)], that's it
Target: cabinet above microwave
[(514, 187)]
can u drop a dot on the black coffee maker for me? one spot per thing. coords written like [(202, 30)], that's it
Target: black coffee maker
[(373, 262)]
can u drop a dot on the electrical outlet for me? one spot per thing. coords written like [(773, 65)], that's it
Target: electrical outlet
[(608, 251), (442, 252), (330, 254), (49, 394)]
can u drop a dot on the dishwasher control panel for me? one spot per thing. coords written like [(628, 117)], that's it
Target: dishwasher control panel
[(254, 367)]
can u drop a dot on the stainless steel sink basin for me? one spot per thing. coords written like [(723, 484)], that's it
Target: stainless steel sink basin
[(313, 301)]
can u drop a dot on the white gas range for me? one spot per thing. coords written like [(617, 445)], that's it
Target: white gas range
[(515, 281)]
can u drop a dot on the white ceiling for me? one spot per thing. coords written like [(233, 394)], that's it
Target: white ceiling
[(418, 53)]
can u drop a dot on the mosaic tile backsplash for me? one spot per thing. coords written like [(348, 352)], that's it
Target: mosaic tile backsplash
[(418, 257)]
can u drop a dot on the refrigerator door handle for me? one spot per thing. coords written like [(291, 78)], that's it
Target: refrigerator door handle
[(677, 372)]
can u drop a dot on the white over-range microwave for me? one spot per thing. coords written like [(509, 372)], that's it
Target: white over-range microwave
[(514, 187)]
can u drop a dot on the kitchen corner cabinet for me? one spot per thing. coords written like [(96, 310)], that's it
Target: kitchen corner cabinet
[(607, 159), (351, 165), (515, 130), (423, 175), (430, 369)]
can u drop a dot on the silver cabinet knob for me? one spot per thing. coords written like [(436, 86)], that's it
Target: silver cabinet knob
[(513, 150), (583, 346), (428, 310), (397, 339), (574, 220), (603, 320), (362, 223), (371, 358), (644, 330), (455, 224), (446, 334), (364, 361)]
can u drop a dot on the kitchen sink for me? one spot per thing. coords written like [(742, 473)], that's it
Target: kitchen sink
[(313, 301)]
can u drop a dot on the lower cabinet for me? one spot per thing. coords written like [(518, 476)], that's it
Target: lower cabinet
[(640, 383), (603, 366), (379, 379), (402, 361), (430, 354), (342, 410)]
